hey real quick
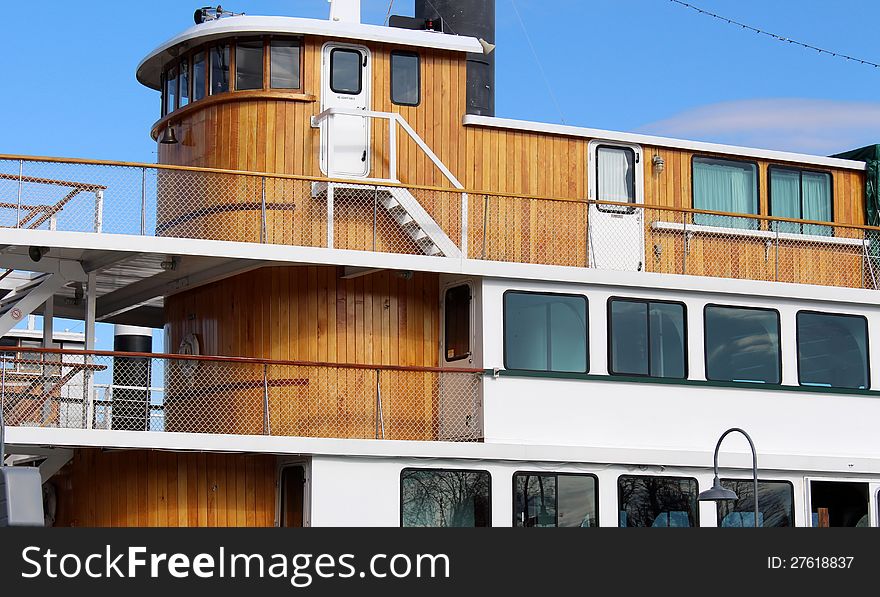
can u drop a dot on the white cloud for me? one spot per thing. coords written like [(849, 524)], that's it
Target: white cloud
[(789, 124)]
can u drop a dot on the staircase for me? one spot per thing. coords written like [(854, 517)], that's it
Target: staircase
[(404, 209), (27, 297)]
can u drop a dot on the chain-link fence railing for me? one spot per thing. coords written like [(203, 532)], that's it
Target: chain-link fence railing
[(132, 392)]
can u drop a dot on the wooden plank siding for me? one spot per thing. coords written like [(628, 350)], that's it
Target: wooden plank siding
[(151, 488)]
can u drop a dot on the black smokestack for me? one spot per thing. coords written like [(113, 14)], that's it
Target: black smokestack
[(473, 18)]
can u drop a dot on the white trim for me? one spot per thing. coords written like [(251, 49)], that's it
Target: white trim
[(149, 69), (758, 234), (292, 255), (23, 439), (697, 146)]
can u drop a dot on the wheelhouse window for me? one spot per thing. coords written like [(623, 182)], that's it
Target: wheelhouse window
[(405, 79), (832, 350), (249, 65), (775, 504), (346, 73), (742, 344), (646, 501), (800, 195), (728, 186), (545, 332), (457, 326), (171, 90), (198, 76), (219, 74), (284, 64), (615, 177), (555, 500), (184, 83), (445, 498), (647, 338)]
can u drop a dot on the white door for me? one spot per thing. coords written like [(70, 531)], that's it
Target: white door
[(616, 233), (345, 83)]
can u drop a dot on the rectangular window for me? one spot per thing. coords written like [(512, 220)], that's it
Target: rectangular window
[(284, 64), (164, 100), (444, 498), (457, 327), (171, 90), (615, 177), (742, 344), (346, 73), (248, 65), (728, 186), (198, 76), (800, 195), (647, 338), (775, 504), (555, 500), (545, 332), (184, 83), (292, 494), (657, 501), (832, 350), (405, 79), (219, 76)]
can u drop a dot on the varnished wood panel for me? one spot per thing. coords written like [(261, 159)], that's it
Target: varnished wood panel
[(144, 488)]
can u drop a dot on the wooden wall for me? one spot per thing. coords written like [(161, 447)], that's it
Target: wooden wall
[(151, 488)]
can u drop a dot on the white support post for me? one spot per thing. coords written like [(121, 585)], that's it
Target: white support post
[(392, 148), (91, 299), (99, 210), (48, 315)]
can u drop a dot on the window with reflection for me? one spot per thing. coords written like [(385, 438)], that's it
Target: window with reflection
[(405, 78), (198, 76), (346, 73), (545, 332), (728, 186), (647, 501), (457, 324), (775, 504), (615, 177), (555, 500), (219, 74), (184, 83), (249, 65), (742, 344), (800, 195), (284, 64), (647, 338), (832, 350), (444, 498), (171, 90)]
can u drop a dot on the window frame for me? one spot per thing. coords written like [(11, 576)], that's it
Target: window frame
[(800, 171), (535, 292), (609, 336), (470, 318), (555, 474), (443, 470), (233, 62), (298, 40), (347, 50), (282, 494), (760, 480), (418, 58), (758, 212), (706, 345), (617, 209), (797, 346), (674, 477)]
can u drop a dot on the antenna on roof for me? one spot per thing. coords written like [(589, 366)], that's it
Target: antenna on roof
[(209, 13)]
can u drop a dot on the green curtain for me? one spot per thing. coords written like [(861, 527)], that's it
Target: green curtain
[(722, 187), (785, 198), (817, 202)]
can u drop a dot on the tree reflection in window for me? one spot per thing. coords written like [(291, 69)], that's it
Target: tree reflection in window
[(443, 498), (657, 501), (775, 504), (551, 500)]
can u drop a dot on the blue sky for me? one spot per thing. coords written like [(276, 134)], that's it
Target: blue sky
[(637, 65)]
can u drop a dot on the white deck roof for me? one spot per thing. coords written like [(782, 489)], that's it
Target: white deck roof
[(150, 68)]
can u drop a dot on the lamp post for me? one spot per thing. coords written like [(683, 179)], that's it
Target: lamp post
[(718, 493)]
